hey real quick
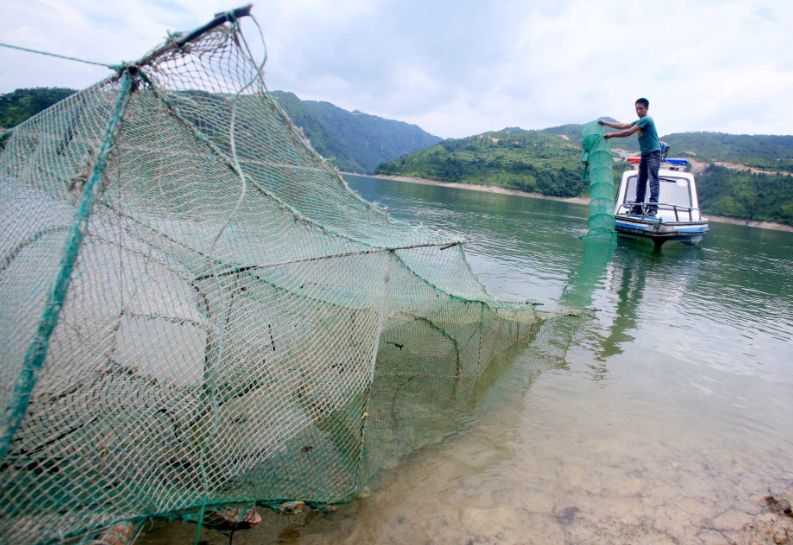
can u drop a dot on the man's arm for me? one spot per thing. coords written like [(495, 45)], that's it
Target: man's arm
[(614, 125), (622, 134)]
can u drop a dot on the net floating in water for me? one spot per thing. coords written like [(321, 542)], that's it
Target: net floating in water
[(197, 311)]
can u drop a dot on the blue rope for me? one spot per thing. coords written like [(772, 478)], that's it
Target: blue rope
[(37, 352)]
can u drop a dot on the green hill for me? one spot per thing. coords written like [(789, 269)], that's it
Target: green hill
[(353, 141), (740, 194), (17, 106), (572, 131), (767, 152), (533, 161)]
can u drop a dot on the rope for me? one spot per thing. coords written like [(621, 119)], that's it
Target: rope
[(48, 54)]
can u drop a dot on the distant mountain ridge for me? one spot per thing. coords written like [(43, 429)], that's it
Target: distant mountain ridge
[(353, 141)]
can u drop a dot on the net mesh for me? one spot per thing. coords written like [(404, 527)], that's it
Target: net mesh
[(196, 310), (600, 179)]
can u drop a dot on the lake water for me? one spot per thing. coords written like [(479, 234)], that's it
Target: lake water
[(664, 418)]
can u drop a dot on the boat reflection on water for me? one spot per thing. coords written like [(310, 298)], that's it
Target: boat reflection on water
[(628, 279)]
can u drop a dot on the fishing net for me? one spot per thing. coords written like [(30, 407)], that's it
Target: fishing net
[(196, 309), (600, 179)]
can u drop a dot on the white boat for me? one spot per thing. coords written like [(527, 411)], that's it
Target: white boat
[(678, 216)]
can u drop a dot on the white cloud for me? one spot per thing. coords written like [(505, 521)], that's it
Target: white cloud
[(458, 68)]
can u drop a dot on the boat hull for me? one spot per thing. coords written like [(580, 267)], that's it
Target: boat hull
[(660, 231)]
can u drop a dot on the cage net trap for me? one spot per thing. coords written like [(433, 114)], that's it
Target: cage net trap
[(197, 311)]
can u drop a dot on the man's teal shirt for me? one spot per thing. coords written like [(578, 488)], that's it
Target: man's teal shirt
[(648, 136)]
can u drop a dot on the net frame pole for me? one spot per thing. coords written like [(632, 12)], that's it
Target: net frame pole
[(56, 295), (180, 41)]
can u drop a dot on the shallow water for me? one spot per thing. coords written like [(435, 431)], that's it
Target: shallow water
[(664, 419)]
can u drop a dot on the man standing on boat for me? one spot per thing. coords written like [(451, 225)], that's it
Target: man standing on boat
[(650, 146)]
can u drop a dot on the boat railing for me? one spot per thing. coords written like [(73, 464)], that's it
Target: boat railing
[(624, 208), (669, 163)]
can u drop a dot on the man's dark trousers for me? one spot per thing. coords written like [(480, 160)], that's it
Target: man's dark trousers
[(648, 172)]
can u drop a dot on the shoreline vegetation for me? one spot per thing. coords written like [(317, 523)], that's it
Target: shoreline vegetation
[(573, 200)]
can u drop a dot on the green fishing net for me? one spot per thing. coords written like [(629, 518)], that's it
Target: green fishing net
[(599, 178), (196, 309)]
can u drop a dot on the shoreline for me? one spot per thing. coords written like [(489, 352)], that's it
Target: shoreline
[(572, 200), (473, 187)]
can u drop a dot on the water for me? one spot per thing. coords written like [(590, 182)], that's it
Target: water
[(664, 419)]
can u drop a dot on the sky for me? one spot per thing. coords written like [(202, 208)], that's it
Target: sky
[(458, 67)]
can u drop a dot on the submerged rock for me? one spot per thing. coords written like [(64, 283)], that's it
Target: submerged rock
[(780, 507), (292, 507), (231, 517), (567, 515)]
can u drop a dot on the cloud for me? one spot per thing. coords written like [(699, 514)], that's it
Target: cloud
[(457, 67)]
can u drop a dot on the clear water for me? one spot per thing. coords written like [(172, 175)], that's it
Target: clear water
[(664, 419)]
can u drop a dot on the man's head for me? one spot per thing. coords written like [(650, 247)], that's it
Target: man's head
[(642, 105)]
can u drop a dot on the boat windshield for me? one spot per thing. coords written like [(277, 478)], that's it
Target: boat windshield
[(673, 191)]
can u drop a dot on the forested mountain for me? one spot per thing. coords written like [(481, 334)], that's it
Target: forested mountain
[(768, 152), (17, 106), (353, 141), (741, 194), (533, 161)]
